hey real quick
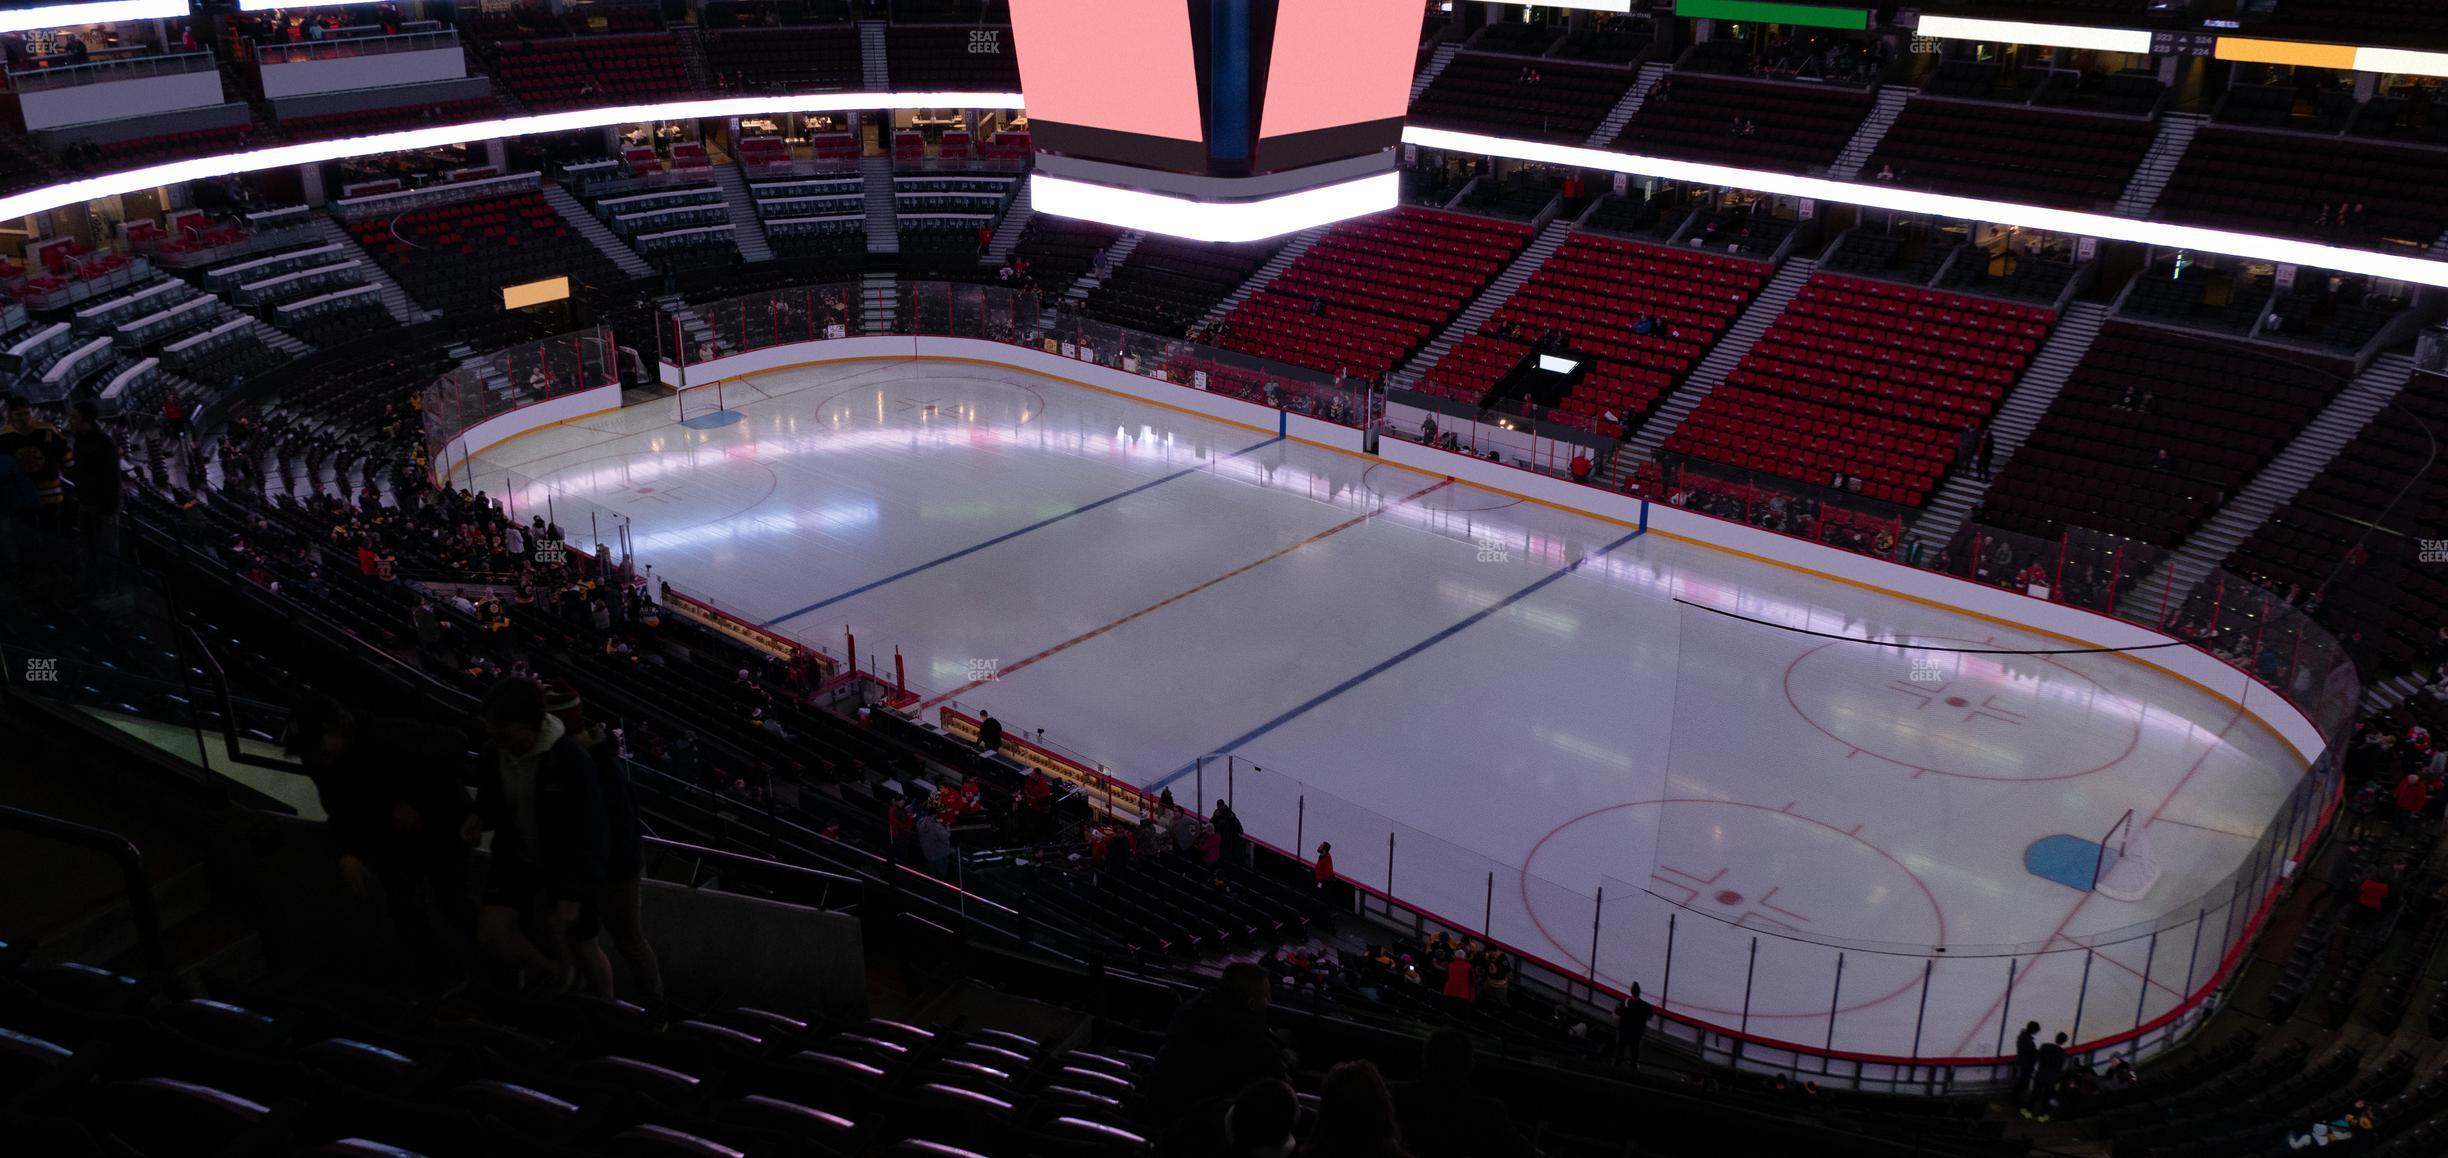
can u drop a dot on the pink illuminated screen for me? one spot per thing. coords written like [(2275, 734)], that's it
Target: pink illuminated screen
[(1124, 67), (1337, 62)]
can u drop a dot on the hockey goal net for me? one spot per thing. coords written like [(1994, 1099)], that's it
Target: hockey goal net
[(2127, 868), (701, 405)]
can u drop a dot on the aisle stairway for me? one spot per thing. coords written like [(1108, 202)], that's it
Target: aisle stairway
[(2279, 482), (1436, 63), (1873, 130), (692, 58), (1283, 259), (1493, 298), (747, 230), (883, 217), (1007, 231), (2151, 176), (1115, 255), (1722, 358), (592, 228), (874, 72), (2033, 394), (878, 298), (1627, 108), (403, 308)]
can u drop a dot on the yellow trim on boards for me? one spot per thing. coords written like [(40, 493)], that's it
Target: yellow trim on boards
[(2129, 657)]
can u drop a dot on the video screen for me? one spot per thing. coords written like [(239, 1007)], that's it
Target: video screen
[(1338, 80), (1103, 85)]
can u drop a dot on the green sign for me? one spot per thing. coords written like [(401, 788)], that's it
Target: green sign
[(1762, 12)]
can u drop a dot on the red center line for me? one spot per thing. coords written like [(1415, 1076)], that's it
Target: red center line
[(2054, 934), (1177, 597)]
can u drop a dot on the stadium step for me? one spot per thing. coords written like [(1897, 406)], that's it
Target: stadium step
[(1508, 280), (1437, 61), (883, 218), (1283, 259), (878, 296), (1007, 231), (404, 309), (278, 339), (874, 71), (693, 62), (746, 229), (1109, 260), (2015, 419), (2150, 178), (2277, 484), (596, 233), (1873, 130), (1628, 107), (692, 322), (1721, 360)]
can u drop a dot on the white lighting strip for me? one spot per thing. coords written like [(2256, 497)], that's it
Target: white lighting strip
[(1875, 195), (2401, 60), (1215, 220), (2420, 271), (78, 192), (2025, 32), (101, 12)]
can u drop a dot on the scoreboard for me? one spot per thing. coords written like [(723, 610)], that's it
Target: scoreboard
[(1242, 110)]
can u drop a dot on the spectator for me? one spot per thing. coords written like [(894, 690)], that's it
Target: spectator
[(395, 808), (1443, 1116), (1355, 1116), (1218, 1041), (624, 860), (1581, 466), (1259, 1123), (1227, 824), (94, 470), (2413, 793), (1497, 984), (1983, 453), (537, 792), (1631, 1024), (2027, 1057), (990, 733), (1323, 873), (1458, 988), (934, 843), (2047, 1069)]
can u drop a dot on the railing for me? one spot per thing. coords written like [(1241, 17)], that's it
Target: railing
[(104, 71), (349, 46), (141, 909), (1765, 994), (1820, 514), (405, 200)]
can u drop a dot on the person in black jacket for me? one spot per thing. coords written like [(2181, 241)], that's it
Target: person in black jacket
[(1443, 1116), (624, 859), (395, 802), (538, 792), (1218, 1041), (1229, 832)]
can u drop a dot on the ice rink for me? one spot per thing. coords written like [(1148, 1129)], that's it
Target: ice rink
[(1511, 691)]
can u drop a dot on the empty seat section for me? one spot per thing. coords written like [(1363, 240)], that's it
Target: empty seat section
[(2396, 605), (1866, 380), (2218, 410), (1511, 97), (822, 59), (580, 71), (1168, 284), (1372, 291), (2296, 184), (456, 258), (1990, 150), (1793, 128), (1597, 291)]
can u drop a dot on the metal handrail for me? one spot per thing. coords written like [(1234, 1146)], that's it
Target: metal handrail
[(102, 71), (349, 46), (141, 908)]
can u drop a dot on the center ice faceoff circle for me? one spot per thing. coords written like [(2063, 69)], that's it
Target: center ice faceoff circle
[(1969, 714)]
